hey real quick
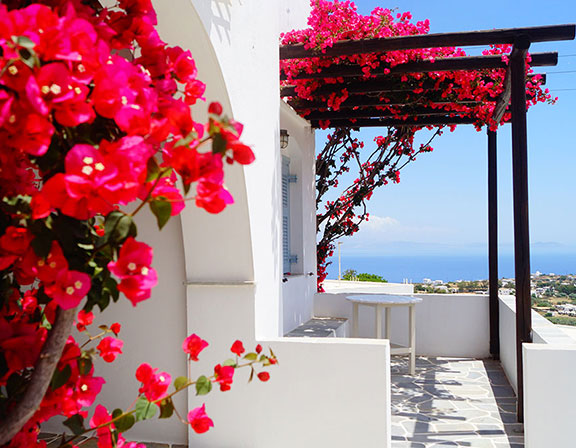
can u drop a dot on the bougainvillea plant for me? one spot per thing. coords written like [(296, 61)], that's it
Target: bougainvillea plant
[(95, 125), (471, 94)]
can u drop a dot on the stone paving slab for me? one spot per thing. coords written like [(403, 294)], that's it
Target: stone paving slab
[(453, 402)]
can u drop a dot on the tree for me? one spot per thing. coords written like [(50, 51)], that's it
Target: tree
[(470, 93), (86, 136)]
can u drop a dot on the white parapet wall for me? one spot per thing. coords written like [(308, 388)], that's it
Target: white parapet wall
[(543, 332), (336, 286), (549, 392), (549, 364), (325, 392), (446, 324)]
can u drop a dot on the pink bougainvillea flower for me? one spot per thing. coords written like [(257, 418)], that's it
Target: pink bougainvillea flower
[(199, 421), (134, 271), (237, 348), (48, 269), (215, 108), (84, 319), (263, 376), (14, 243), (211, 195), (101, 417), (69, 288), (110, 348), (164, 189), (89, 186), (154, 385), (224, 376), (193, 345), (87, 388), (16, 240), (20, 344), (258, 349), (116, 327)]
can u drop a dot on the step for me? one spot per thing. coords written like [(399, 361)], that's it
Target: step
[(321, 327)]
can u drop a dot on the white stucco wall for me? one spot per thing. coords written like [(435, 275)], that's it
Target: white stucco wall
[(337, 286), (299, 288), (543, 332), (549, 364), (549, 391), (446, 324), (508, 339)]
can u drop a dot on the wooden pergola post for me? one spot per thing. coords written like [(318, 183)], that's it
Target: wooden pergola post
[(493, 245), (521, 227)]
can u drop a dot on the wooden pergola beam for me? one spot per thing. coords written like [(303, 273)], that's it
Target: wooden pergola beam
[(367, 101), (372, 112), (439, 65), (378, 85), (458, 39), (385, 122)]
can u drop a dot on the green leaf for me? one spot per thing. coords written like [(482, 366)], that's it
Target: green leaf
[(111, 286), (144, 409), (186, 140), (166, 408), (251, 356), (76, 424), (24, 41), (60, 377), (203, 386), (124, 423), (123, 229), (84, 366), (118, 227), (180, 382), (218, 144), (229, 362), (162, 210), (152, 169)]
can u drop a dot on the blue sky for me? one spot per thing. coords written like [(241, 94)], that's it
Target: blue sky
[(440, 204)]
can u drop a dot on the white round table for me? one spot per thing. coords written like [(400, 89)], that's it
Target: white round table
[(387, 302)]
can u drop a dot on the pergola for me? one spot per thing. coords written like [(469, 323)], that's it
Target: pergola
[(363, 109)]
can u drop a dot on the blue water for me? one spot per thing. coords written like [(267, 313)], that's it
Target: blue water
[(448, 267)]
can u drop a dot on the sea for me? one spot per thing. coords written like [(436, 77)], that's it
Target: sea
[(415, 268)]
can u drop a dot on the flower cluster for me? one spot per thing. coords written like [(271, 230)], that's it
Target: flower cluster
[(96, 124), (155, 394), (469, 93)]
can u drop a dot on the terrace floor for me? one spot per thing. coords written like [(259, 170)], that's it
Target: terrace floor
[(453, 402)]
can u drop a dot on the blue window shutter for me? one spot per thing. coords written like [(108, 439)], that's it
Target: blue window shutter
[(287, 179), (285, 214)]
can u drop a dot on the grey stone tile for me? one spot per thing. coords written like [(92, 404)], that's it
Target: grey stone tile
[(454, 402)]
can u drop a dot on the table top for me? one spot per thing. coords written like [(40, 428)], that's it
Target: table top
[(383, 299)]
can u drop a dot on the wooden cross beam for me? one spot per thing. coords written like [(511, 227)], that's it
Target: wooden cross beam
[(458, 39), (439, 65)]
